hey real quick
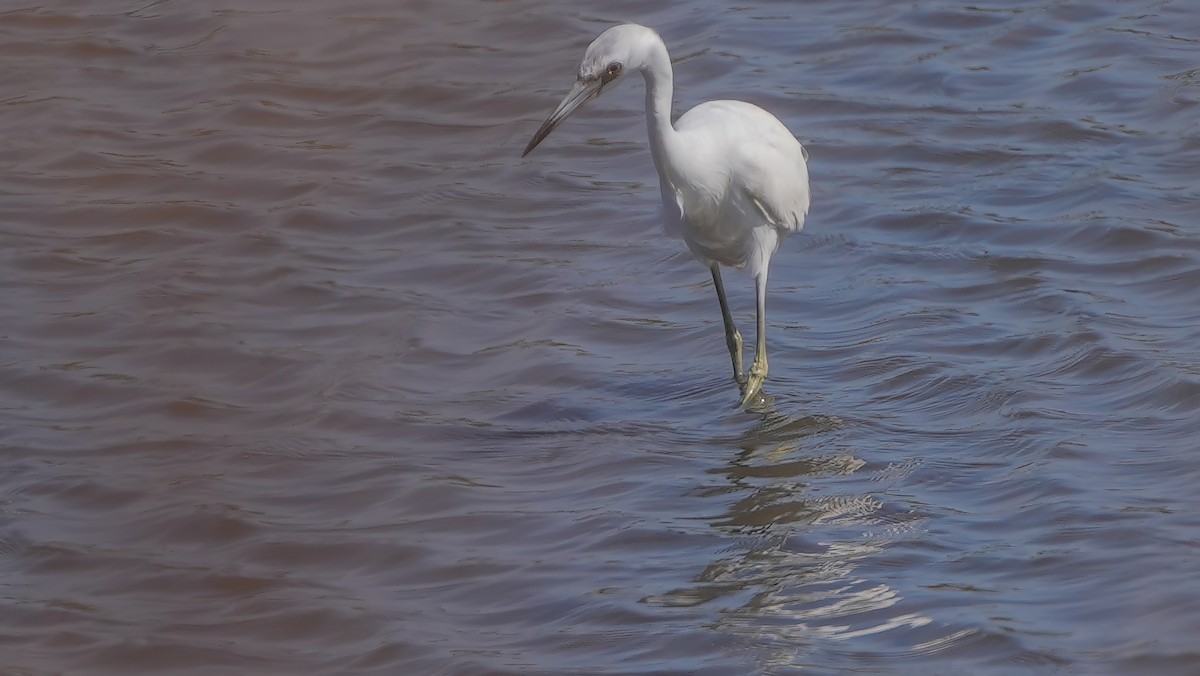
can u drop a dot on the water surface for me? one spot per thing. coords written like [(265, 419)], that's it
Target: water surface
[(304, 370)]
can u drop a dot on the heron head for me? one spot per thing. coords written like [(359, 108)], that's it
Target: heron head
[(617, 52)]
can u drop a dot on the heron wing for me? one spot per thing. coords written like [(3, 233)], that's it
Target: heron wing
[(763, 163), (773, 174)]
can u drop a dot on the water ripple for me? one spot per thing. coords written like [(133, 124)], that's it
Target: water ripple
[(303, 369)]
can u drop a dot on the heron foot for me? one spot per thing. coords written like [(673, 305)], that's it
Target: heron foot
[(752, 387), (751, 390)]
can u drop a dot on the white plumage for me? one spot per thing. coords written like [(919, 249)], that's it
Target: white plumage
[(734, 180)]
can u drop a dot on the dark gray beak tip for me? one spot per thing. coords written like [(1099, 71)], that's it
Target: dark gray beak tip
[(579, 94)]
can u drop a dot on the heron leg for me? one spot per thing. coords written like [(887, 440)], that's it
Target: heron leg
[(758, 370), (733, 339)]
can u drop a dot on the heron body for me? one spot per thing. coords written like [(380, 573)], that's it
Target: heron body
[(734, 180)]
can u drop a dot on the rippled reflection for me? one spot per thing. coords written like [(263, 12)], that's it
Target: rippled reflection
[(793, 578)]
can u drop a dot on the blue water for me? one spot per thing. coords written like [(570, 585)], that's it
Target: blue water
[(304, 370)]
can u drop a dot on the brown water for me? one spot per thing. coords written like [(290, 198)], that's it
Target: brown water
[(303, 370)]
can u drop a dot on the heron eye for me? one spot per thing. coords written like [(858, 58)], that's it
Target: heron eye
[(614, 69)]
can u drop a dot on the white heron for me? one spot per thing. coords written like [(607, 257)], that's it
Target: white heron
[(734, 180)]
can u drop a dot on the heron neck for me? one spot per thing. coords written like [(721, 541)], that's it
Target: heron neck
[(660, 90)]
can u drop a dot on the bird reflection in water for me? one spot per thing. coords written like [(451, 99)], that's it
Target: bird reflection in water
[(789, 577)]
